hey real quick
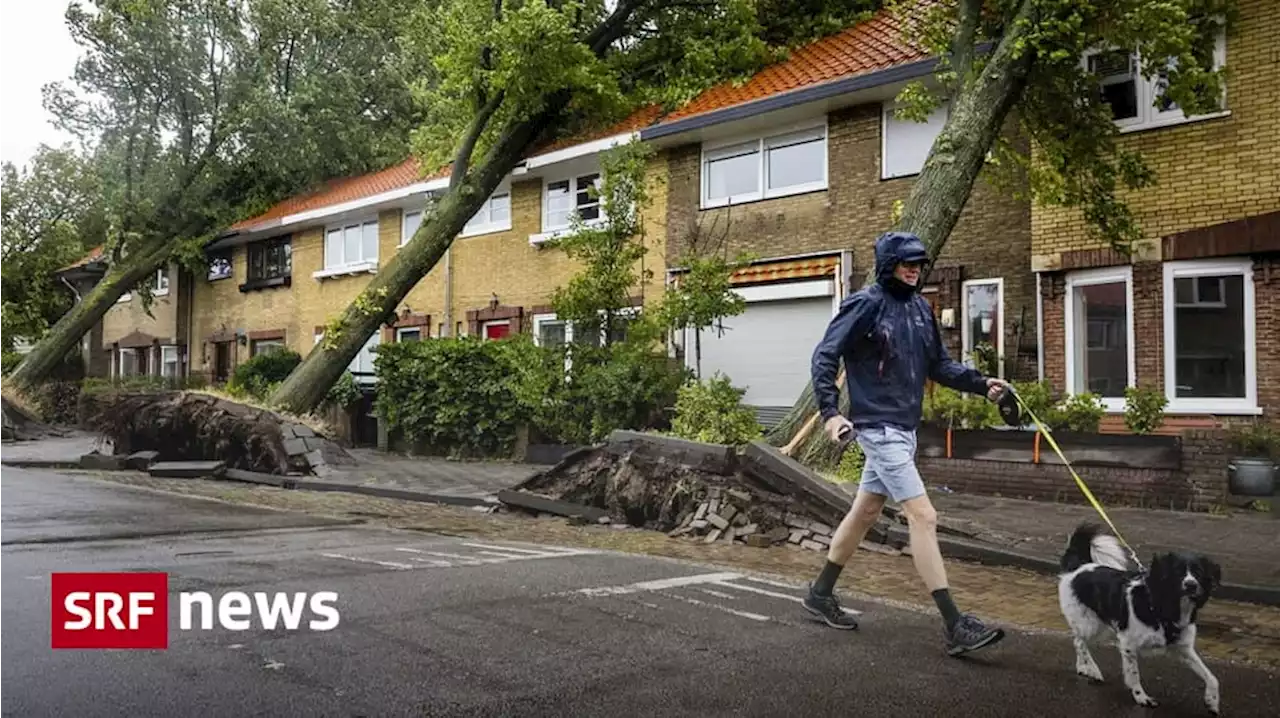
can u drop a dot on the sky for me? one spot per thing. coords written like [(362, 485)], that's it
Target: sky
[(37, 49)]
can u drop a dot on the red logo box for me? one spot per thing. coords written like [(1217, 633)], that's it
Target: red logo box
[(110, 610)]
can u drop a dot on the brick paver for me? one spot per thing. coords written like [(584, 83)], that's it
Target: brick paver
[(1232, 631), (1246, 544)]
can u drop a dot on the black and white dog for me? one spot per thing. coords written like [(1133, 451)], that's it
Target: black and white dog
[(1099, 588)]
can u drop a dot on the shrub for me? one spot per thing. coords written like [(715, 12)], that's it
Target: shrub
[(1144, 409), (258, 376), (10, 361), (1082, 413), (344, 392), (850, 468), (1254, 439), (712, 412), (959, 410)]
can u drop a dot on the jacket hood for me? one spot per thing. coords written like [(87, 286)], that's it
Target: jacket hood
[(895, 247)]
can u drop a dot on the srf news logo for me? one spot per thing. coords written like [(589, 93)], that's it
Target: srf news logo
[(131, 610)]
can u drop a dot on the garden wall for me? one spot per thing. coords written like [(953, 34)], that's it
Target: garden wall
[(1195, 480)]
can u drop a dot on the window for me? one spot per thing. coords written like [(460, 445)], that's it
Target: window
[(776, 165), (1136, 102), (1099, 334), (270, 262), (1209, 337), (169, 362), (906, 143), (409, 225), (494, 215), (362, 366), (983, 317), (564, 198), (548, 331), (161, 287), (128, 363), (219, 266), (263, 346), (409, 334), (350, 248)]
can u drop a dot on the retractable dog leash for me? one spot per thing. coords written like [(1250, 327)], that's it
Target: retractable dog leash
[(1008, 411)]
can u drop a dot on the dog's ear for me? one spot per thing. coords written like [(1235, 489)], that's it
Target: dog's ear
[(1211, 570)]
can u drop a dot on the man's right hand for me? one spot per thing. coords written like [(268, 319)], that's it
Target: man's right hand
[(835, 426)]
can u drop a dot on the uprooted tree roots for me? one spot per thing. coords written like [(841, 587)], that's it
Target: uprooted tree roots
[(194, 427)]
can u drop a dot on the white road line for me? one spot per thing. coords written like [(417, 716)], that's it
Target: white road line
[(357, 559), (509, 556), (767, 582), (657, 585), (718, 594), (438, 563), (726, 609), (775, 594), (513, 549)]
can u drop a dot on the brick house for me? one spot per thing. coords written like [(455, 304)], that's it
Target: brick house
[(1196, 310), (277, 279), (801, 166), (129, 341)]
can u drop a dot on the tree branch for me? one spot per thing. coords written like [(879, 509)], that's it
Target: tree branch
[(462, 160), (963, 42), (612, 28)]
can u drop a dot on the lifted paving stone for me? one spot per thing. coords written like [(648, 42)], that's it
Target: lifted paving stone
[(187, 469)]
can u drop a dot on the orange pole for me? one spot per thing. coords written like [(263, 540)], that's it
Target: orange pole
[(1035, 453), (948, 442)]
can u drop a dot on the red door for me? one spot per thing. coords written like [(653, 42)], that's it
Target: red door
[(496, 330)]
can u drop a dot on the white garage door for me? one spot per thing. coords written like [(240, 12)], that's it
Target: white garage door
[(767, 350)]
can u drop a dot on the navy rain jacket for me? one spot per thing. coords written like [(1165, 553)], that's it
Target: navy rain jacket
[(890, 345)]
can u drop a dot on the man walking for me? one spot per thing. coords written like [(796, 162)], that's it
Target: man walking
[(886, 335)]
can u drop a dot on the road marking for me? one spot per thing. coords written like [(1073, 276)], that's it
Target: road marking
[(357, 559), (657, 585), (718, 594), (512, 549), (726, 609), (775, 594)]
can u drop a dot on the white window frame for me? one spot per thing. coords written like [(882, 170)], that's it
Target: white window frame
[(473, 228), (255, 343), (572, 179), (761, 141), (1149, 116), (540, 319), (400, 331), (1246, 405), (405, 236), (887, 110), (363, 264), (1108, 275), (167, 351), (966, 338), (161, 286), (1198, 303)]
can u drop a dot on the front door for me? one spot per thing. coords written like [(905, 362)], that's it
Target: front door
[(497, 330), (221, 362)]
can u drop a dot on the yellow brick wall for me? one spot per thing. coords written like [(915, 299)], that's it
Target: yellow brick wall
[(127, 317), (1207, 172), (502, 263)]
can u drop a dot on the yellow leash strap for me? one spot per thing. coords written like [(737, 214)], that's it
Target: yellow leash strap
[(1084, 488)]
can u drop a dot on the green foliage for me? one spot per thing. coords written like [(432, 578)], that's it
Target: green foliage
[(849, 470), (344, 392), (1254, 439), (1077, 160), (260, 375), (1144, 409), (458, 396), (959, 410), (712, 412), (1082, 413), (986, 359), (11, 360), (1039, 397)]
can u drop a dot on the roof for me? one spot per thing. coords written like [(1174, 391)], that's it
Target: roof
[(92, 256), (872, 45)]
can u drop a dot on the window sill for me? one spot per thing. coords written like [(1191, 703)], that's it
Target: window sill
[(487, 229), (704, 204), (254, 285), (346, 270), (160, 293), (550, 234), (1172, 122), (1210, 407)]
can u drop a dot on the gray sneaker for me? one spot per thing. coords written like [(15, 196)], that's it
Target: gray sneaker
[(970, 634), (827, 609)]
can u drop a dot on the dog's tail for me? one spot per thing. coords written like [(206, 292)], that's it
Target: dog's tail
[(1088, 544)]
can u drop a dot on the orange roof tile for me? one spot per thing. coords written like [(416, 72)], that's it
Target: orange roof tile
[(872, 45), (93, 255)]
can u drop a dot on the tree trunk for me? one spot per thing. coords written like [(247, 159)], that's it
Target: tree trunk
[(938, 195), (305, 388), (66, 334)]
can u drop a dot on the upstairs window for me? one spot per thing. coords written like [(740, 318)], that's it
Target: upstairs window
[(907, 143), (564, 198), (493, 216), (270, 262), (351, 246), (772, 165), (161, 287)]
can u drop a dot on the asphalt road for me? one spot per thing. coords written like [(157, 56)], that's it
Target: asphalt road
[(445, 626)]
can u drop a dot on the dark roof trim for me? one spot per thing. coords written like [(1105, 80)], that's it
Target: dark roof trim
[(813, 93)]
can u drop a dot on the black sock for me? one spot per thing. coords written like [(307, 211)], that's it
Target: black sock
[(826, 582), (950, 614)]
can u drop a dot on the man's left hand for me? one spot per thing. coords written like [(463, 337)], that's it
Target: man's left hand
[(995, 387)]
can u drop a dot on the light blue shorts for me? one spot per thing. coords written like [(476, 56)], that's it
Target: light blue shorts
[(889, 467)]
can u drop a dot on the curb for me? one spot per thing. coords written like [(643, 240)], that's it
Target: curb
[(989, 555), (41, 463), (387, 493)]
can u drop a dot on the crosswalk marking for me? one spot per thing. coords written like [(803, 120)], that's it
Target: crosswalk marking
[(657, 585), (358, 559), (487, 554), (726, 609)]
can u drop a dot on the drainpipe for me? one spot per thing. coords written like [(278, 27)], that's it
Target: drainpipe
[(448, 293), (1039, 330)]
